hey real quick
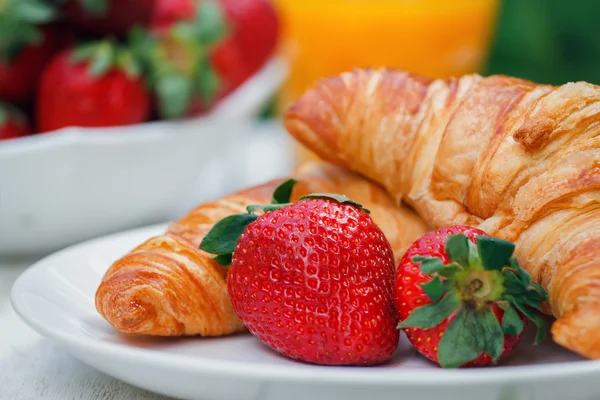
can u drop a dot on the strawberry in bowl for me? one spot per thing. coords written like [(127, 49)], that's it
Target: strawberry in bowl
[(199, 52), (312, 280), (26, 44), (13, 123), (96, 85)]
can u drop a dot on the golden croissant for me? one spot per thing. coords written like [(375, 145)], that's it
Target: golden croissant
[(519, 160), (168, 287)]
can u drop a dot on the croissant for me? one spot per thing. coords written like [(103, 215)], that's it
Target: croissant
[(519, 160), (168, 287)]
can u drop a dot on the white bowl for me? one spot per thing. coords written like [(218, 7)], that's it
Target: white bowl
[(70, 185)]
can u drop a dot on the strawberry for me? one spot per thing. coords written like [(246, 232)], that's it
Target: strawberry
[(13, 123), (312, 280), (107, 17), (227, 41), (24, 47), (255, 29), (169, 12), (463, 300), (95, 85), (176, 57)]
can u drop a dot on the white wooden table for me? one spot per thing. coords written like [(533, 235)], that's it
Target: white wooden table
[(34, 368)]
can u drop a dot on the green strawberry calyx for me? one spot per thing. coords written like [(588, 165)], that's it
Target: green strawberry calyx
[(9, 113), (479, 275), (104, 56), (222, 239), (20, 25), (178, 60), (97, 8)]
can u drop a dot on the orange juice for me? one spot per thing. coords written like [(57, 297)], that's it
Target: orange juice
[(437, 38)]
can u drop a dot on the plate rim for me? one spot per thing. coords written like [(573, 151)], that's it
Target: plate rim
[(297, 372)]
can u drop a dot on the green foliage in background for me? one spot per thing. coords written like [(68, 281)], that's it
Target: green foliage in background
[(548, 41)]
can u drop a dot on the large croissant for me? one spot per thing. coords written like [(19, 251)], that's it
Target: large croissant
[(517, 159), (168, 287)]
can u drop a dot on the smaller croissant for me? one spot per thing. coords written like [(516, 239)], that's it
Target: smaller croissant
[(168, 287)]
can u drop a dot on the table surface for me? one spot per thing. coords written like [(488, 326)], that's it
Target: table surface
[(34, 368)]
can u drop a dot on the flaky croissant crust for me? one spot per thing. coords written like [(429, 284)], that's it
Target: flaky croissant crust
[(519, 160)]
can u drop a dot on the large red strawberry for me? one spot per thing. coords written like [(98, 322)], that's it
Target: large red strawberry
[(13, 123), (226, 41), (96, 85), (107, 17), (463, 300), (313, 280), (25, 47)]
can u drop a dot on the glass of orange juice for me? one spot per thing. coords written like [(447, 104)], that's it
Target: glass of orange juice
[(436, 38)]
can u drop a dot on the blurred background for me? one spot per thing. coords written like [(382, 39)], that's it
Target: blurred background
[(104, 101)]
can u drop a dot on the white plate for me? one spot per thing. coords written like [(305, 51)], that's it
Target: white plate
[(63, 187), (56, 298)]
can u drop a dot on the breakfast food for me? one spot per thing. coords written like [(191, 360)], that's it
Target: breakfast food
[(168, 287), (312, 279), (13, 123), (518, 160), (463, 300), (95, 85)]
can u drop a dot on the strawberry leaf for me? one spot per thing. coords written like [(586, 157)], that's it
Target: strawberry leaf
[(431, 315), (429, 265), (493, 334), (4, 115), (174, 95), (537, 319), (462, 342), (20, 25), (96, 8), (494, 253), (224, 259), (457, 248), (512, 324), (283, 192), (337, 197), (224, 235), (449, 271), (102, 59), (207, 82), (210, 22), (434, 289)]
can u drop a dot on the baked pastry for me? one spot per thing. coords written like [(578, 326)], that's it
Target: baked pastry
[(168, 287), (519, 160)]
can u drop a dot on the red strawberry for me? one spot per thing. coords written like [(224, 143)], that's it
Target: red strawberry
[(169, 12), (463, 300), (221, 63), (95, 85), (255, 30), (107, 17), (13, 123), (24, 47), (312, 280)]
